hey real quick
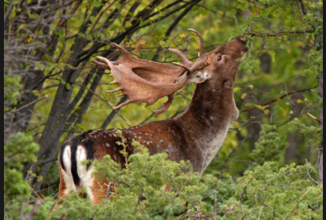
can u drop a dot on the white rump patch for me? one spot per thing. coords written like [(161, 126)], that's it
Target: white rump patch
[(85, 176), (66, 174)]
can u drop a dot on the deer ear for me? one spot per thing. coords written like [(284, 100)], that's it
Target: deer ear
[(199, 77)]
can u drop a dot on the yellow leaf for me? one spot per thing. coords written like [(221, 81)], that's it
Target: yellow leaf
[(300, 101), (182, 35), (243, 95), (299, 43), (236, 89), (29, 39), (250, 86)]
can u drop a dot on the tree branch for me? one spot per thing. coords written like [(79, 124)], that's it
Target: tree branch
[(278, 99), (32, 213), (39, 99), (279, 33), (308, 173)]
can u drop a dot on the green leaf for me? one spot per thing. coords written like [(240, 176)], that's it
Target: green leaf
[(93, 19)]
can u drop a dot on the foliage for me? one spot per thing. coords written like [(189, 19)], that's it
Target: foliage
[(150, 187), (18, 149), (48, 48), (269, 147), (269, 191)]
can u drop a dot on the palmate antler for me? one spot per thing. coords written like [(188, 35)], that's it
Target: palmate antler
[(147, 81)]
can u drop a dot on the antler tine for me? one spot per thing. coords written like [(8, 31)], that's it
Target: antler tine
[(122, 50), (184, 59), (103, 65), (201, 50), (184, 66)]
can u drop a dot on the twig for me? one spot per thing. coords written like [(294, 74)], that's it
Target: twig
[(83, 67), (297, 203), (308, 173), (279, 33), (28, 104), (278, 99), (302, 8), (215, 204), (239, 201), (32, 213), (317, 119), (108, 191), (9, 9), (177, 112), (47, 161), (139, 199), (200, 5), (228, 158), (62, 216), (146, 119), (106, 102)]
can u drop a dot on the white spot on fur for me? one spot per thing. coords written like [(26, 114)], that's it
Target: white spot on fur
[(107, 144)]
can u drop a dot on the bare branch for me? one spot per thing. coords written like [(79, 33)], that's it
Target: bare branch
[(215, 204), (280, 33), (32, 213), (108, 191), (9, 9), (108, 105), (39, 99), (308, 173), (278, 99), (302, 8), (317, 119)]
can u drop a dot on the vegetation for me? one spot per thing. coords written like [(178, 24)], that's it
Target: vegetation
[(270, 165)]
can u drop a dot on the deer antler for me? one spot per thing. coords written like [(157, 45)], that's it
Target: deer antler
[(201, 49), (147, 81), (138, 89)]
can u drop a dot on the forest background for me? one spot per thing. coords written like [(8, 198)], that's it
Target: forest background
[(270, 164)]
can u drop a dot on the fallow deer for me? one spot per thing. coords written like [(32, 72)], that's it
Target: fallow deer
[(196, 135)]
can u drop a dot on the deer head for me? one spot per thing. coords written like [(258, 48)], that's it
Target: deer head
[(147, 81)]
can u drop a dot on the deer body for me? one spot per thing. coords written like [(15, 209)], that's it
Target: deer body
[(196, 136)]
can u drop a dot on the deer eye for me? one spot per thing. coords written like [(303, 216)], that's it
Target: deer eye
[(219, 58)]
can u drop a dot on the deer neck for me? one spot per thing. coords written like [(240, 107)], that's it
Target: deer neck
[(209, 116)]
